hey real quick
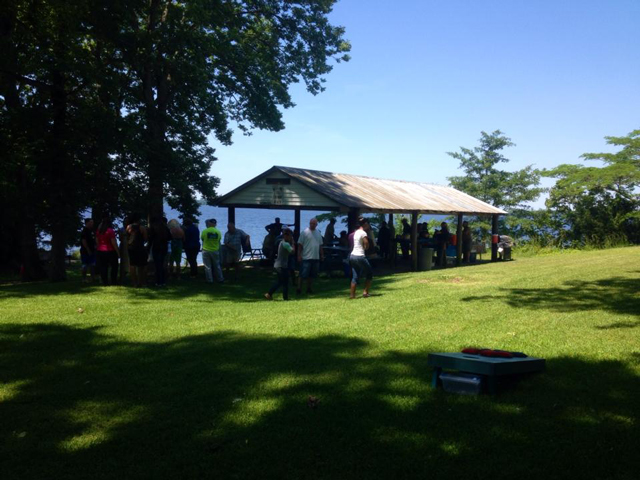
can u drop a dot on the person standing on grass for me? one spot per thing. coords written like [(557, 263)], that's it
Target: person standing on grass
[(177, 244), (330, 232), (107, 252), (442, 242), (235, 240), (360, 266), (211, 237), (384, 239), (466, 242), (88, 251), (275, 227), (137, 236), (159, 237), (125, 263), (285, 249), (191, 246), (406, 237), (310, 254)]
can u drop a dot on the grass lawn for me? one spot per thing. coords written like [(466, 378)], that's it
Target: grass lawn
[(213, 381)]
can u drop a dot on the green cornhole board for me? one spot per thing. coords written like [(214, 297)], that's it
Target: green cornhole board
[(489, 367)]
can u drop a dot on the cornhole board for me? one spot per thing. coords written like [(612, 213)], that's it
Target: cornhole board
[(488, 367)]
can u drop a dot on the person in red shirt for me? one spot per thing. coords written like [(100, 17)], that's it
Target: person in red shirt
[(107, 251)]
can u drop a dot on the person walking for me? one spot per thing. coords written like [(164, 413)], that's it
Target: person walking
[(360, 266), (191, 245), (107, 252), (211, 237), (310, 254), (137, 237), (285, 248)]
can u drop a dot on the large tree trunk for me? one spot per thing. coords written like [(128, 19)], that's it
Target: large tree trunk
[(155, 85), (29, 261), (59, 208), (31, 267), (157, 155), (156, 194)]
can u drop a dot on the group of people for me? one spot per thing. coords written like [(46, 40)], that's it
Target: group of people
[(163, 243), (308, 250), (439, 241), (132, 248)]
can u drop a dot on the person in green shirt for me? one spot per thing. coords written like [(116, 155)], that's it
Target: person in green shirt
[(211, 238)]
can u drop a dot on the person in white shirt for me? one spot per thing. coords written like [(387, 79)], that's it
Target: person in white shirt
[(310, 254), (360, 266)]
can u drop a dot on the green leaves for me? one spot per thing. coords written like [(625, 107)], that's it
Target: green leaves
[(110, 104), (483, 180), (600, 201)]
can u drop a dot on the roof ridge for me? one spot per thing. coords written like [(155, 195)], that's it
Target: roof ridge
[(362, 176)]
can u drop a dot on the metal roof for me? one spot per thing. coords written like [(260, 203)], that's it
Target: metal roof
[(379, 195)]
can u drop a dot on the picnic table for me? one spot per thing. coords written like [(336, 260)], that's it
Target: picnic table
[(489, 367), (335, 257)]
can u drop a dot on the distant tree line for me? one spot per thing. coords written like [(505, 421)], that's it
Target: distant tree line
[(588, 205), (107, 105)]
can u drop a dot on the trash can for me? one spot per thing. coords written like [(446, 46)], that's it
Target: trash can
[(425, 258)]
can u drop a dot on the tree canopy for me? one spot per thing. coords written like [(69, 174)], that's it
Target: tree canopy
[(596, 203), (110, 105), (484, 180)]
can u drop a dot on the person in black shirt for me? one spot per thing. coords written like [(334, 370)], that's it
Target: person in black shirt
[(191, 245), (466, 242), (442, 242), (159, 237), (275, 227), (406, 237), (88, 250), (384, 240)]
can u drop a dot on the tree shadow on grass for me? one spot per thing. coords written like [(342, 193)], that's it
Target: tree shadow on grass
[(250, 287), (616, 294), (78, 403)]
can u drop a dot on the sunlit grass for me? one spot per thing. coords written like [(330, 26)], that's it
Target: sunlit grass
[(197, 380)]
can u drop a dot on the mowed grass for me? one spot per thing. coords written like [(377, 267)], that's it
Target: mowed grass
[(198, 381)]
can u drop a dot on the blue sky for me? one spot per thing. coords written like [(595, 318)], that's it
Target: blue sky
[(427, 76)]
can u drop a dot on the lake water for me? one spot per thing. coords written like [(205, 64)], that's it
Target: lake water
[(252, 220)]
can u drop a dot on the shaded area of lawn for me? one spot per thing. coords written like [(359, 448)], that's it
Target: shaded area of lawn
[(620, 295), (84, 404)]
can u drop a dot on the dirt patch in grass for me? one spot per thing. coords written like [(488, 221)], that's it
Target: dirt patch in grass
[(452, 280)]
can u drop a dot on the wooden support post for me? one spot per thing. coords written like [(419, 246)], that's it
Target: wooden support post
[(296, 227), (393, 246), (459, 240), (231, 215), (414, 241), (352, 219), (494, 231)]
